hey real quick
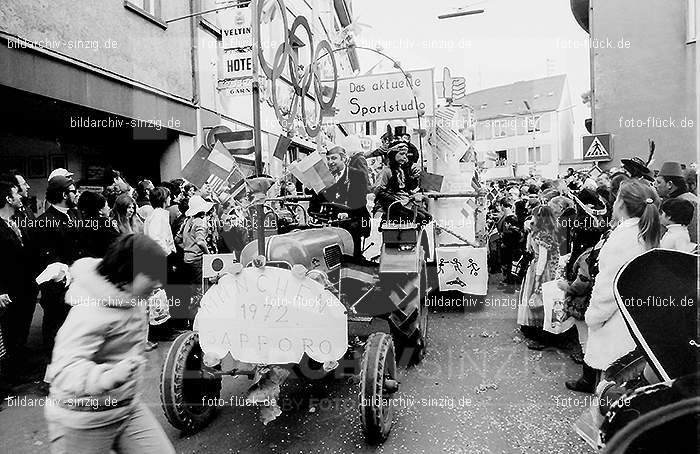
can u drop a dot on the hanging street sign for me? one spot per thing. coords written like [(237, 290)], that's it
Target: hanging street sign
[(597, 147), (385, 97), (236, 30), (237, 64)]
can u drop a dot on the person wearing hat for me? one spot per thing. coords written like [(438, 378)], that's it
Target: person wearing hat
[(350, 189), (671, 184), (56, 240), (193, 237), (60, 172), (637, 168), (400, 181)]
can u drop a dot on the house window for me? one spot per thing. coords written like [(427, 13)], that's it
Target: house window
[(499, 128), (534, 154), (501, 158), (692, 21), (483, 130), (149, 9), (533, 124)]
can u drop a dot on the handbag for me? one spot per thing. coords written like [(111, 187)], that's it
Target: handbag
[(556, 319)]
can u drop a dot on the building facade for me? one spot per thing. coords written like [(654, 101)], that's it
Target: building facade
[(107, 85), (524, 128), (644, 76), (119, 85)]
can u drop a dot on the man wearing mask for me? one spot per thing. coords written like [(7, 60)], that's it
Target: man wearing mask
[(15, 280), (670, 183), (56, 235), (350, 189)]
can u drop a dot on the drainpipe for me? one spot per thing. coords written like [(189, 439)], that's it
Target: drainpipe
[(194, 54)]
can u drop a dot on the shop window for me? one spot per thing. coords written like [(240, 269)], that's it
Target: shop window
[(149, 9)]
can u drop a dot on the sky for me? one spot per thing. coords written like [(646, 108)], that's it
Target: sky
[(512, 40)]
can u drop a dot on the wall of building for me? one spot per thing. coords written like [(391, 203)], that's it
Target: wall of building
[(644, 72), (110, 36)]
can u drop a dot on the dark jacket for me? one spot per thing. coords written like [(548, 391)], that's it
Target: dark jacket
[(351, 190), (56, 238), (16, 270), (96, 235)]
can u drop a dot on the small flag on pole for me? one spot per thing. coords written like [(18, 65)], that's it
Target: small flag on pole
[(238, 142), (281, 148), (431, 181)]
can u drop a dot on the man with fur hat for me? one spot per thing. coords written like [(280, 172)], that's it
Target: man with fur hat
[(671, 184), (350, 189)]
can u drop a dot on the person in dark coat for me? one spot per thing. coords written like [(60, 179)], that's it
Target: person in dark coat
[(97, 229), (350, 189), (16, 279), (57, 240)]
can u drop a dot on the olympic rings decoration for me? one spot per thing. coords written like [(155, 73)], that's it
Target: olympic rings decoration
[(301, 80)]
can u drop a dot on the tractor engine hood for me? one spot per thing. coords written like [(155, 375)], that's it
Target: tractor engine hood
[(321, 248)]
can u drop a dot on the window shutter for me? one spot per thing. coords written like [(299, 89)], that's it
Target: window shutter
[(545, 121), (546, 154), (521, 126), (521, 155), (510, 153)]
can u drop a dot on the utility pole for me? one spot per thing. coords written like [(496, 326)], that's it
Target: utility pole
[(260, 209)]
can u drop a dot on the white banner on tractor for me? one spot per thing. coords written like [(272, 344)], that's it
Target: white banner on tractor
[(270, 316), (463, 269)]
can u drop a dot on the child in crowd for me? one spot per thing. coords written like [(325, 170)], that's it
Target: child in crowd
[(676, 215)]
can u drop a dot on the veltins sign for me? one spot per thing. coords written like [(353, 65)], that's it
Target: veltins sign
[(236, 28), (384, 97)]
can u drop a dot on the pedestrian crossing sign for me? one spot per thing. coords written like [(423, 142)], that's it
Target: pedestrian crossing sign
[(597, 147)]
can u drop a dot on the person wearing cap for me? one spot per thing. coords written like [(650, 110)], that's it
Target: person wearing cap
[(670, 183), (193, 237), (56, 240), (60, 172), (350, 189)]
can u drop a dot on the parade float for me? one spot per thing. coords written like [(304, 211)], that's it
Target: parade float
[(296, 303)]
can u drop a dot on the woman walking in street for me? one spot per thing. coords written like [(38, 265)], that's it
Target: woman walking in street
[(94, 403), (543, 244)]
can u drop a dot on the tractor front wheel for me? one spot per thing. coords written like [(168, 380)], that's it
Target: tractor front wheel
[(377, 384), (187, 396)]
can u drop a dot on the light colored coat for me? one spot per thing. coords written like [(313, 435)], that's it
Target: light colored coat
[(608, 336), (104, 326)]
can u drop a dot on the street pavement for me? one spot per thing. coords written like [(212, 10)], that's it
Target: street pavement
[(478, 390)]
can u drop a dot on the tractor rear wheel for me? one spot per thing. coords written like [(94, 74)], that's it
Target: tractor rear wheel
[(377, 383), (409, 324), (187, 397)]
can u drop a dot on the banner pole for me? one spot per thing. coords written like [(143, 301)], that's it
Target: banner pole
[(260, 211)]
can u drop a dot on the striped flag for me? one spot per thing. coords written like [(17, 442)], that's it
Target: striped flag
[(213, 167), (238, 142), (476, 179)]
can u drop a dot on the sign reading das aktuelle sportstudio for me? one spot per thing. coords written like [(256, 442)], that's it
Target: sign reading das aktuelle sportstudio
[(384, 97)]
